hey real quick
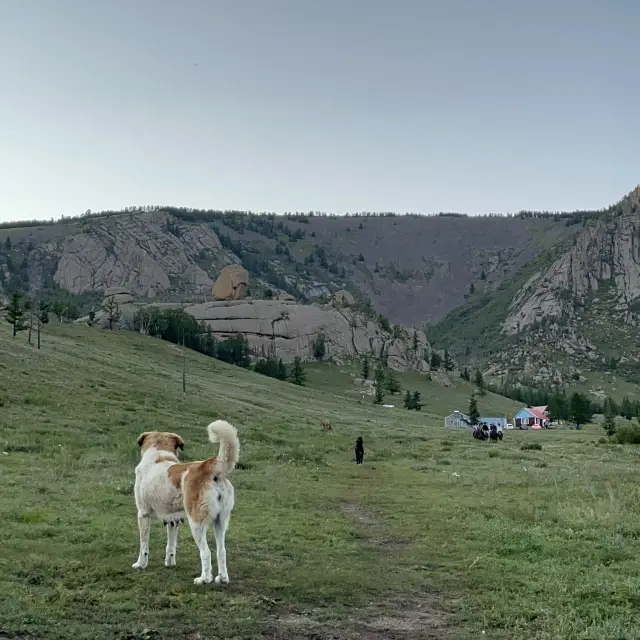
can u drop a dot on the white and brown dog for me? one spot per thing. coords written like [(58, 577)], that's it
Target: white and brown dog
[(171, 491)]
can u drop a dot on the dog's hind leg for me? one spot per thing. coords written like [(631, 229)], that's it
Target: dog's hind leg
[(144, 525), (199, 533), (172, 544), (220, 525)]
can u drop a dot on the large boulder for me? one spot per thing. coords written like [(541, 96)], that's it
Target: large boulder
[(232, 283), (120, 295), (343, 298)]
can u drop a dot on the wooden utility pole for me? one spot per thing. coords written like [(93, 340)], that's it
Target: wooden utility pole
[(184, 365)]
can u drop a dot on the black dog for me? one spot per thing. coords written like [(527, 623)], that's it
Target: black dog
[(359, 451)]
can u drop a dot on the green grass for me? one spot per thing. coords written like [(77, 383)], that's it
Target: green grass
[(436, 534)]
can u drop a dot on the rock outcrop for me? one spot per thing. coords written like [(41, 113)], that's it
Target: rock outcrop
[(232, 283), (286, 329), (604, 256), (149, 254)]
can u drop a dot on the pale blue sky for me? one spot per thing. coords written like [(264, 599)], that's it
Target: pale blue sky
[(332, 105)]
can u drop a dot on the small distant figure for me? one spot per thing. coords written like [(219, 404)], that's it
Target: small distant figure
[(326, 425), (359, 450)]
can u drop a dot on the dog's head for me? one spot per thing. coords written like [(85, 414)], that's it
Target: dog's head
[(359, 440), (160, 440)]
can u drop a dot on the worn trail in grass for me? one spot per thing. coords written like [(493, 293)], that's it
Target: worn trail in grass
[(436, 536)]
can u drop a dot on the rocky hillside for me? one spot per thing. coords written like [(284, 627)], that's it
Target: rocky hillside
[(412, 269), (575, 308)]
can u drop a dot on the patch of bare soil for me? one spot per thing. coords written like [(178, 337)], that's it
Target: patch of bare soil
[(368, 520), (356, 511), (395, 620)]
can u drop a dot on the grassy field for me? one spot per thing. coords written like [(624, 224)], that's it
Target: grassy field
[(436, 536)]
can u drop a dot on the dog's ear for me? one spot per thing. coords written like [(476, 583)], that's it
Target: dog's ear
[(179, 441), (141, 438)]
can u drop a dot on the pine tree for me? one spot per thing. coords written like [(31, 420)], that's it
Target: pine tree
[(474, 414), (15, 314), (448, 361), (42, 315), (391, 383), (28, 306), (479, 380), (558, 408), (408, 400), (365, 367), (609, 424), (417, 404), (580, 409), (282, 370), (379, 385), (626, 408), (298, 375)]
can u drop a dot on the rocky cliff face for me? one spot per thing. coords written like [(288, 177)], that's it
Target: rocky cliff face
[(149, 254), (605, 257), (583, 312), (285, 329)]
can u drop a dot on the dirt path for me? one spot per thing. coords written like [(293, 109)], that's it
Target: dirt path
[(395, 619), (391, 620)]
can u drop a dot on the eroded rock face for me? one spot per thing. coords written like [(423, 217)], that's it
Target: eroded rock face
[(289, 330), (147, 254), (605, 254), (232, 283)]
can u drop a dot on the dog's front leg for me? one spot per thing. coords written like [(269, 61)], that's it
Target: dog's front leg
[(144, 525), (172, 544)]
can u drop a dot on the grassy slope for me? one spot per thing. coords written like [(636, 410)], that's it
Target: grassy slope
[(432, 535)]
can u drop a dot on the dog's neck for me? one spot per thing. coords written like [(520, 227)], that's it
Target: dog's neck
[(152, 454)]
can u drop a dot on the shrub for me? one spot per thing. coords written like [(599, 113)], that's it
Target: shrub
[(319, 346), (531, 446), (628, 434)]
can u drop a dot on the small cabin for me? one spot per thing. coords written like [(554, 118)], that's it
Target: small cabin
[(532, 418), (457, 420)]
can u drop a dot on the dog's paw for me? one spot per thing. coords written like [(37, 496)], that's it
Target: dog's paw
[(139, 565), (202, 580), (222, 579)]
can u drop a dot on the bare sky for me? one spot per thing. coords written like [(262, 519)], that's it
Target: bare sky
[(333, 105)]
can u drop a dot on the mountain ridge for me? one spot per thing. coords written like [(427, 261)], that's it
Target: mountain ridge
[(412, 268)]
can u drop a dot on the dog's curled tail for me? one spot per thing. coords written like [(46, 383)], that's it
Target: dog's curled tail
[(224, 433)]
